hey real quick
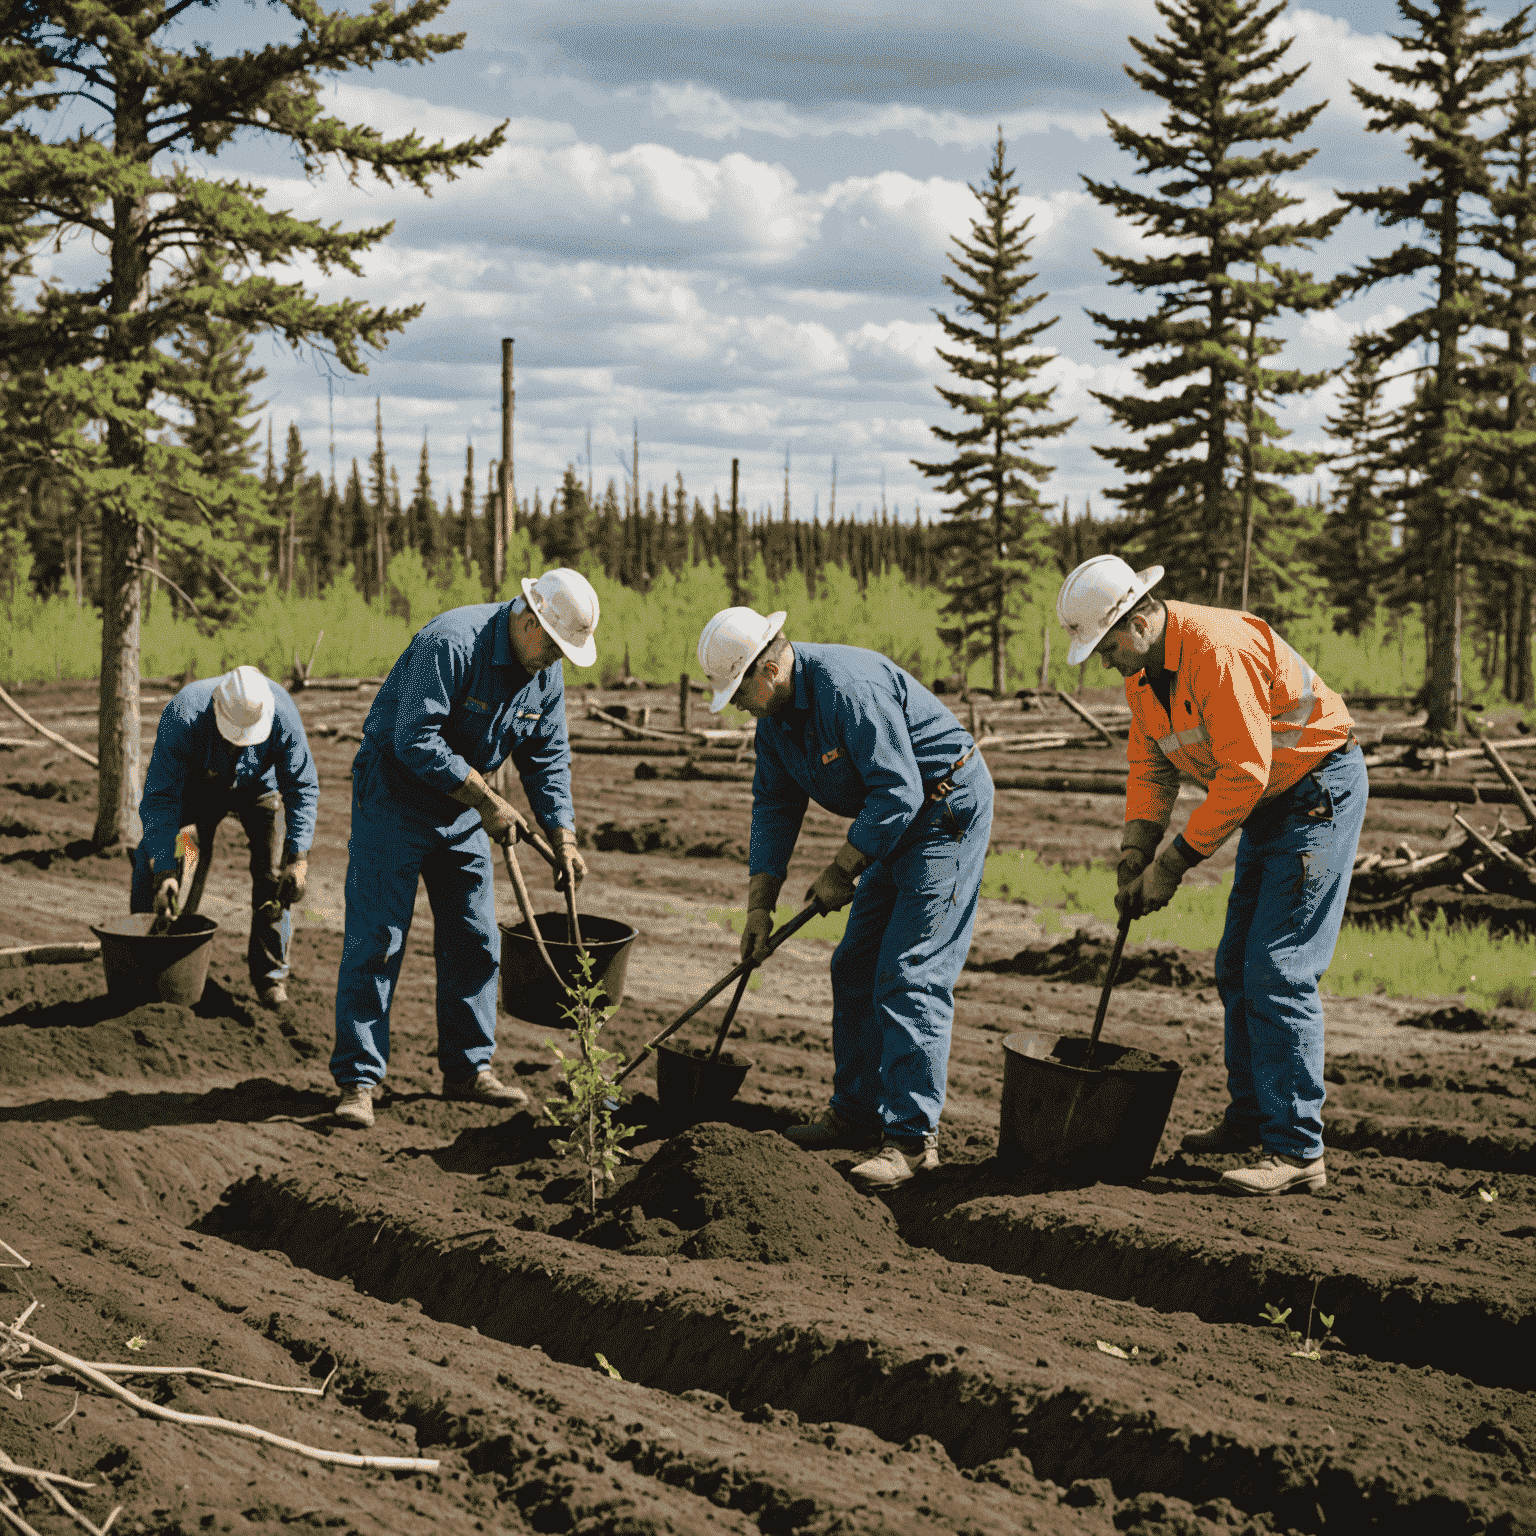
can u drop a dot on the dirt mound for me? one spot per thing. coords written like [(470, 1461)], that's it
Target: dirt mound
[(753, 1197), (1084, 957), (660, 836), (1457, 1019)]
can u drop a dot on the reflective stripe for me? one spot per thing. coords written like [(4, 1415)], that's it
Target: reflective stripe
[(1301, 712), (1171, 743)]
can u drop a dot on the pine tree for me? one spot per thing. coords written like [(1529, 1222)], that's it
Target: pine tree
[(1504, 393), (289, 491), (1452, 80), (1352, 554), (996, 527), (421, 517), (152, 98), (1209, 457)]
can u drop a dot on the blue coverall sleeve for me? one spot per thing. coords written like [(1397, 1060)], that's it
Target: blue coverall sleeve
[(778, 808), (543, 763), (164, 788), (426, 696), (297, 780), (873, 727)]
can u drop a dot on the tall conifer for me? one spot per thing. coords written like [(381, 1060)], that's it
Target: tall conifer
[(1208, 467), (996, 527), (1453, 78)]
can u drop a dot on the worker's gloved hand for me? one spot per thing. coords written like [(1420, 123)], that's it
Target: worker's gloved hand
[(754, 936), (1138, 847), (167, 895), (503, 823), (1153, 889), (292, 879), (563, 841), (833, 887), (762, 900)]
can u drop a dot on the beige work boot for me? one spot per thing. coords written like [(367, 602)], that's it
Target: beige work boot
[(895, 1163), (484, 1088), (273, 996), (828, 1131), (1225, 1136), (1276, 1174), (356, 1106)]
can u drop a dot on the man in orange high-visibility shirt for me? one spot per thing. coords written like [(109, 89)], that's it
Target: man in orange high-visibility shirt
[(1219, 696)]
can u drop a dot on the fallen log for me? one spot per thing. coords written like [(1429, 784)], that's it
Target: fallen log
[(49, 954)]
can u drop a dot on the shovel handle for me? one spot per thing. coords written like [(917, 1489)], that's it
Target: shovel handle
[(793, 926), (730, 1015), (1109, 982), (515, 874)]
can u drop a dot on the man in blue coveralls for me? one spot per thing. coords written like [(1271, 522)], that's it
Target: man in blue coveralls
[(849, 729), (476, 686), (232, 743)]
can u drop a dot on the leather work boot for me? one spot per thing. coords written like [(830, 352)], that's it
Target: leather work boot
[(1225, 1136), (828, 1131), (273, 996), (1276, 1175), (895, 1163), (356, 1106), (484, 1088)]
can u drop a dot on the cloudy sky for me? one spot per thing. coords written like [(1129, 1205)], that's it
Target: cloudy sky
[(728, 222)]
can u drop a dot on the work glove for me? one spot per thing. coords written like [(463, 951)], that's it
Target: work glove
[(563, 841), (1138, 847), (167, 894), (833, 887), (291, 881), (762, 898), (1153, 889), (503, 823)]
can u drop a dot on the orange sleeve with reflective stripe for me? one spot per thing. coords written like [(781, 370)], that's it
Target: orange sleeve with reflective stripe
[(1152, 784), (1232, 695)]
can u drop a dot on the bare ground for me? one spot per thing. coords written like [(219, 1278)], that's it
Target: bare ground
[(930, 1363)]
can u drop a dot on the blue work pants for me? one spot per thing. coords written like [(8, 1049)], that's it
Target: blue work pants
[(389, 849), (893, 975), (1294, 861), (263, 820)]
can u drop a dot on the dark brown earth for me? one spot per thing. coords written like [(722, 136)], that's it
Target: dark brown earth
[(789, 1356)]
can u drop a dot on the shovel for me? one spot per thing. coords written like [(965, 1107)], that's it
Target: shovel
[(1109, 982), (740, 974)]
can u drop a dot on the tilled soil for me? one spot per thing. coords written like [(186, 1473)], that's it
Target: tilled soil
[(737, 1340)]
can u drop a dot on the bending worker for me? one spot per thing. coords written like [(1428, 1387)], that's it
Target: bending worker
[(232, 743), (1218, 695), (852, 731), (475, 687)]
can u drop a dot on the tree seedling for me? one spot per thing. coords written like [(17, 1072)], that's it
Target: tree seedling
[(602, 1360), (592, 1098)]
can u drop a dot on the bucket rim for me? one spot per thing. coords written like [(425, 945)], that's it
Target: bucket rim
[(519, 931), (1165, 1064), (115, 929)]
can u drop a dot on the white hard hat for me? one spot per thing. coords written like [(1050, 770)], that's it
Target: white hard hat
[(1096, 596), (729, 644), (565, 604), (243, 707)]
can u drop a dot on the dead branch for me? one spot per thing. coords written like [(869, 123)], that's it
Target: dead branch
[(149, 570), (15, 1469), (42, 730), (20, 1263), (1497, 851), (1505, 772), (74, 1409), (199, 1371), (1077, 709), (89, 1373)]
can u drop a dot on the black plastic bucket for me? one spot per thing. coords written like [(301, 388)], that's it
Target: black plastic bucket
[(1102, 1124), (690, 1087), (529, 992), (169, 967)]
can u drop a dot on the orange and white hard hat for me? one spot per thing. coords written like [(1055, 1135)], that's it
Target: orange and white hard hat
[(1096, 596), (729, 644)]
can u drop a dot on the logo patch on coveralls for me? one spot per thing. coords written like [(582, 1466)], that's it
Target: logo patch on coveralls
[(832, 756)]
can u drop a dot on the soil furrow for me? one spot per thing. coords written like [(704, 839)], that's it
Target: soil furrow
[(1393, 1317), (673, 1340)]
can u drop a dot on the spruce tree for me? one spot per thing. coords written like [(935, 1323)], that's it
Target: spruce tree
[(1453, 79), (1352, 553), (1203, 483), (421, 516), (142, 98), (996, 529)]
